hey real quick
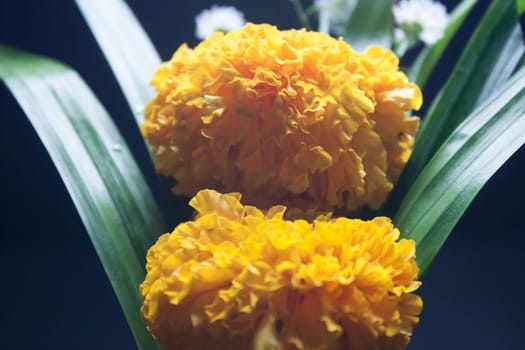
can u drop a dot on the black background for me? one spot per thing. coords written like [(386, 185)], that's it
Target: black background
[(54, 292)]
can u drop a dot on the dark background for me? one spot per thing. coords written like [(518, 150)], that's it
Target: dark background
[(54, 292)]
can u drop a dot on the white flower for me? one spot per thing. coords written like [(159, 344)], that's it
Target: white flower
[(218, 19), (334, 14), (426, 19)]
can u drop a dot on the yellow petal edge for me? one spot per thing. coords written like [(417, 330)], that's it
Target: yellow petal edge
[(237, 277), (287, 117)]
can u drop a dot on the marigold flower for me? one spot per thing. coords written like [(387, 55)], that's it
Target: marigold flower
[(237, 278), (284, 117)]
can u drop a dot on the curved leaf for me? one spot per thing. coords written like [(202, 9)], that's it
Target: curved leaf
[(426, 61), (493, 52), (465, 162), (104, 182), (490, 58), (129, 51)]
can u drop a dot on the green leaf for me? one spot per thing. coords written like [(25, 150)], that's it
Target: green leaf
[(520, 6), (426, 61), (302, 14), (371, 23), (465, 162), (490, 58), (107, 188), (127, 48)]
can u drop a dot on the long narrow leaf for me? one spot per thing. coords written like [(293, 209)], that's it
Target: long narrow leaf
[(465, 162), (428, 58), (106, 185), (489, 59), (487, 54), (371, 23), (128, 49), (520, 6)]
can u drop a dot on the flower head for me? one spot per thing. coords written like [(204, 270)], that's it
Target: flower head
[(425, 19), (236, 275), (285, 117), (218, 19)]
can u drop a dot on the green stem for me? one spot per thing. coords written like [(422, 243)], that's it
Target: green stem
[(301, 14)]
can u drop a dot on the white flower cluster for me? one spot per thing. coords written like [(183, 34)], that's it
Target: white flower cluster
[(218, 19), (423, 19)]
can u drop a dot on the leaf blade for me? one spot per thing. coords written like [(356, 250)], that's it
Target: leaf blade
[(520, 6), (127, 48), (422, 67), (460, 168), (492, 54), (106, 186), (461, 92)]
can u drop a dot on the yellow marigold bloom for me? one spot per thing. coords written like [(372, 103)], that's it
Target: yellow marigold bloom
[(284, 117), (239, 278)]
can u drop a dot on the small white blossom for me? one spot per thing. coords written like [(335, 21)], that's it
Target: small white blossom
[(334, 14), (427, 17), (218, 19)]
